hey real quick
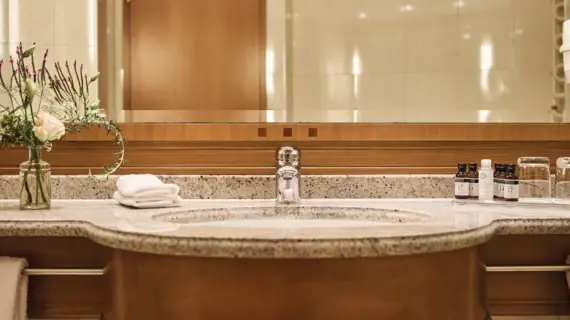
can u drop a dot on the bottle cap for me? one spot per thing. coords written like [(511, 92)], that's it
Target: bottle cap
[(486, 164), (462, 166)]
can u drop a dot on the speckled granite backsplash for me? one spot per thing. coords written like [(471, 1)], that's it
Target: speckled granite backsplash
[(256, 187)]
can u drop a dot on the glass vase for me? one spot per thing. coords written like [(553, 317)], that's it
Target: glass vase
[(35, 176)]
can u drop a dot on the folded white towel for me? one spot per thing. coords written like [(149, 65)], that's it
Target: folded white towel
[(144, 185), (149, 202), (13, 289)]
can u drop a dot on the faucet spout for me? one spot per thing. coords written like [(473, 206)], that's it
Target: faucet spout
[(288, 176)]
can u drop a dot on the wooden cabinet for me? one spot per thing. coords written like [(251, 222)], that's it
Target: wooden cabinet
[(147, 286), (447, 285), (441, 286)]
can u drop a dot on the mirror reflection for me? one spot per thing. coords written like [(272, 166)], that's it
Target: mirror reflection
[(386, 61)]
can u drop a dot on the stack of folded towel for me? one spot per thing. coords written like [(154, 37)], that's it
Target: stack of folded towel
[(146, 191)]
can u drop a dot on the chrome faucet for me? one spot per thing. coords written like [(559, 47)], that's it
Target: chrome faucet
[(288, 176)]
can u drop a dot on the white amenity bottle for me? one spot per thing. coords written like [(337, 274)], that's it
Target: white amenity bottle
[(486, 181)]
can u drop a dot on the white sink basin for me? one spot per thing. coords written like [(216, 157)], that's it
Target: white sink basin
[(293, 216)]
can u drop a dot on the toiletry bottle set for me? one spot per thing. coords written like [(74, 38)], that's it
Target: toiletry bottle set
[(506, 183), (501, 184)]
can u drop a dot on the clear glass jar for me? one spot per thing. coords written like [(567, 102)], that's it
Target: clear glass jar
[(35, 178), (563, 178), (534, 177)]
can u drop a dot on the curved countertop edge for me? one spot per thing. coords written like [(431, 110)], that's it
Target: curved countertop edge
[(291, 248), (285, 248)]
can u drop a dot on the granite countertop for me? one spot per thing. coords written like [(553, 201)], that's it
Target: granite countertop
[(441, 225)]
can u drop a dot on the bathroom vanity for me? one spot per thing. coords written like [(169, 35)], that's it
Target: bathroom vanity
[(322, 259), (273, 74)]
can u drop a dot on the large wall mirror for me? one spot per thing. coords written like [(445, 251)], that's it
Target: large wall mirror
[(352, 61), (359, 86)]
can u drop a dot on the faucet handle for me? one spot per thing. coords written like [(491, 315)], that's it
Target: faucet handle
[(288, 156)]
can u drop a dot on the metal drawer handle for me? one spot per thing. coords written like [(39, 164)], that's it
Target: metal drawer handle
[(64, 272), (559, 268)]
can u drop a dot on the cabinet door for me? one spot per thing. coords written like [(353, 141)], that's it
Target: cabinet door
[(195, 58)]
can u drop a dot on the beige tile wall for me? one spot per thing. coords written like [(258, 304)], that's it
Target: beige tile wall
[(68, 28), (416, 60)]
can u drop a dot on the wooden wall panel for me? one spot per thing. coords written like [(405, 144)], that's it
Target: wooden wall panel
[(334, 133), (196, 55), (249, 158), (238, 148)]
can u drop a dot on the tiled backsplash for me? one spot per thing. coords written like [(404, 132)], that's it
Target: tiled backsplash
[(413, 60), (255, 187)]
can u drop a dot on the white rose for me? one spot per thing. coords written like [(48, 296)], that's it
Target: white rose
[(48, 127)]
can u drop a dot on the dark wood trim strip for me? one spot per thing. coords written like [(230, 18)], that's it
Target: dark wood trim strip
[(333, 132)]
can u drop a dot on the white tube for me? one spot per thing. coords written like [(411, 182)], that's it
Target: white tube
[(486, 181)]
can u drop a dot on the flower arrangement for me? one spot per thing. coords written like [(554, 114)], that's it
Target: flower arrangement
[(43, 106)]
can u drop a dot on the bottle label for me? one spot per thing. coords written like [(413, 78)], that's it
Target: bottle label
[(473, 187), (511, 189), (501, 185), (495, 187), (462, 187)]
